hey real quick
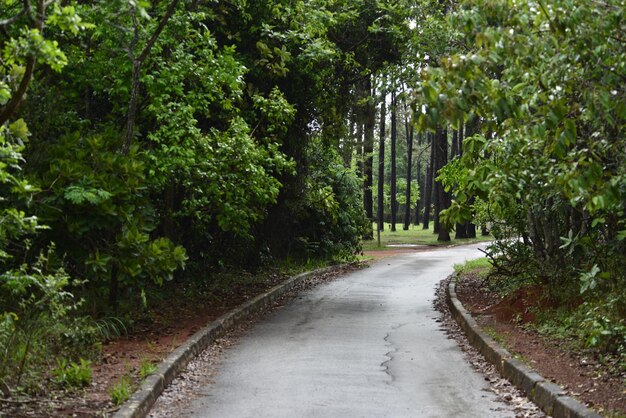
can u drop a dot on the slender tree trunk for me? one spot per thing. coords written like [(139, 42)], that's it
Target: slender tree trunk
[(131, 114), (348, 143), (6, 111), (358, 143), (454, 149), (381, 164), (436, 184), (418, 198), (394, 135), (137, 62), (444, 197), (461, 138), (461, 228), (428, 187), (409, 170), (368, 150)]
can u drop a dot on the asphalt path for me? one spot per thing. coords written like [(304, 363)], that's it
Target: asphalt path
[(364, 345)]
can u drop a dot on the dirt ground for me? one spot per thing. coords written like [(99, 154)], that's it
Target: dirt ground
[(578, 372)]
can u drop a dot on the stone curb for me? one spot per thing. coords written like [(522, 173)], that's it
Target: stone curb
[(138, 406), (551, 398)]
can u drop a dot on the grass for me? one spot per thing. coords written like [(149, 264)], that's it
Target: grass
[(415, 235), (480, 266), (121, 391)]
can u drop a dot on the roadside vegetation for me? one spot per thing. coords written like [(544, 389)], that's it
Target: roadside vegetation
[(545, 88), (544, 334)]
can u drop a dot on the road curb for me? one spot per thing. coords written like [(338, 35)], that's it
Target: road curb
[(551, 398), (138, 406)]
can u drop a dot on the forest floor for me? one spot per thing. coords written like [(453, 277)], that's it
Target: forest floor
[(597, 384)]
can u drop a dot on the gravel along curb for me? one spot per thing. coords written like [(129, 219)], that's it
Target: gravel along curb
[(138, 406), (546, 395)]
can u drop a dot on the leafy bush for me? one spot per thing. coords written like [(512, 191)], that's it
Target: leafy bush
[(71, 374), (103, 218), (330, 219), (35, 322)]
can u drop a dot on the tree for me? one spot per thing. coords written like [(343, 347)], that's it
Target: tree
[(408, 123), (545, 164), (443, 196), (393, 177), (428, 189), (368, 148), (381, 162)]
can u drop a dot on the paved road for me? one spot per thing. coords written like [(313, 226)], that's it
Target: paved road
[(365, 345)]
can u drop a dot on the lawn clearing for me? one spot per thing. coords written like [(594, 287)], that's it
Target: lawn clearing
[(415, 236)]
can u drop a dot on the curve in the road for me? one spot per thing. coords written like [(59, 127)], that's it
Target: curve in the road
[(364, 345)]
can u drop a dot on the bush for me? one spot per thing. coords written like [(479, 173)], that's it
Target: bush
[(72, 375)]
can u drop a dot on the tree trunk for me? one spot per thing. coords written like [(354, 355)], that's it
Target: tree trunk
[(409, 171), (381, 164), (420, 190), (394, 135), (137, 62), (461, 228), (436, 184), (461, 137), (348, 143), (358, 143), (368, 150), (6, 111), (444, 197), (131, 114), (454, 149), (428, 187)]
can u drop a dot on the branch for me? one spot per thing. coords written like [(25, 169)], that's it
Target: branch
[(11, 20), (10, 107), (155, 36)]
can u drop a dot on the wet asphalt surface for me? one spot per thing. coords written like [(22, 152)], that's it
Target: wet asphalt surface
[(364, 345)]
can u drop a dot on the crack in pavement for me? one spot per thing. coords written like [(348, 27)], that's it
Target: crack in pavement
[(389, 355)]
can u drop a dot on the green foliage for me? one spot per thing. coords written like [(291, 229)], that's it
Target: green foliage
[(71, 374), (121, 391), (545, 89), (330, 213), (103, 217), (35, 321)]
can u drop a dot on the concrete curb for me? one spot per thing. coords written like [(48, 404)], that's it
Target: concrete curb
[(551, 398), (138, 406)]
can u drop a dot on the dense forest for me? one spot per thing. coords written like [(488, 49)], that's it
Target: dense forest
[(152, 142)]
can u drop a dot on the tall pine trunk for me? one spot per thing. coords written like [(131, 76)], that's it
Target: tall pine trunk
[(409, 169), (436, 184), (381, 164), (394, 137), (461, 228), (428, 187), (368, 149), (444, 197), (420, 192)]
